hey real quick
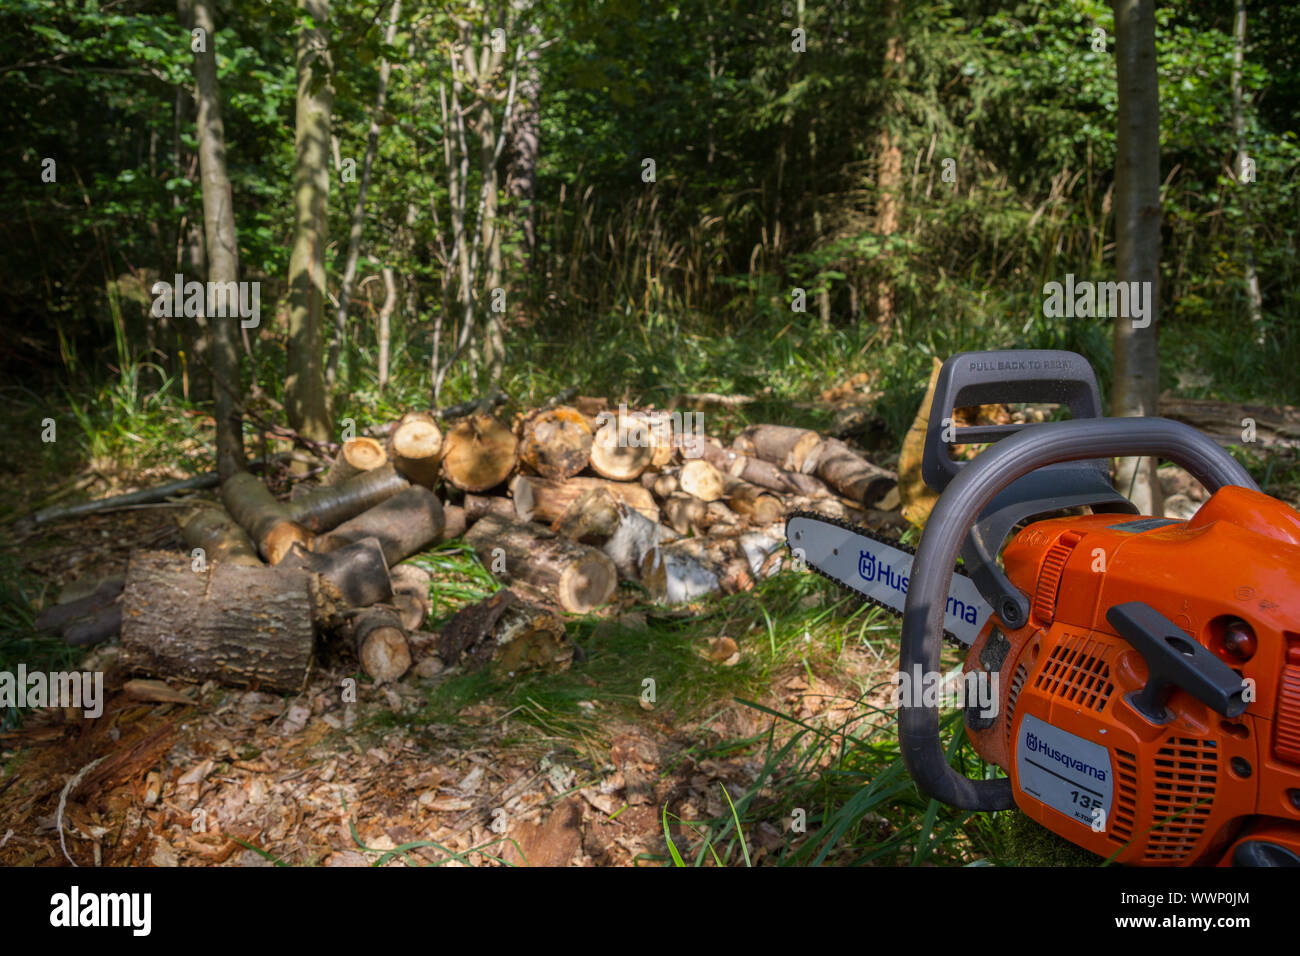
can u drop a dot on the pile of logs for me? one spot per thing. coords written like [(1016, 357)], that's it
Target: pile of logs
[(560, 505)]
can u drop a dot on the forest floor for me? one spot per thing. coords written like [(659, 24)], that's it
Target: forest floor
[(249, 778)]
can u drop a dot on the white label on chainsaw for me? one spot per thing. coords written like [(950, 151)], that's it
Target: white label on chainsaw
[(882, 573), (1068, 773)]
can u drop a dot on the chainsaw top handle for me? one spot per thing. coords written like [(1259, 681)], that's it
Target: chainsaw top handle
[(966, 495)]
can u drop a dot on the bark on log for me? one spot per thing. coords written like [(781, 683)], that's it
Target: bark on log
[(328, 507), (476, 506), (556, 442), (357, 571), (356, 456), (759, 506), (103, 625), (454, 522), (578, 577), (1225, 422), (416, 448), (758, 471), (851, 475), (685, 513), (507, 633), (411, 595), (406, 523), (479, 453), (267, 521), (671, 573), (380, 644), (635, 536), (221, 538), (621, 448), (537, 499), (57, 617), (593, 514), (793, 449), (239, 626)]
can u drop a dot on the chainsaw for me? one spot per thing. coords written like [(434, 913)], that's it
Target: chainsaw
[(1136, 678)]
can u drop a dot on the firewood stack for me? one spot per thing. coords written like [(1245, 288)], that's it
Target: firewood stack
[(559, 505)]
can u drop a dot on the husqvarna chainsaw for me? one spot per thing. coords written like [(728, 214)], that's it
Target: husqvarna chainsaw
[(1145, 671)]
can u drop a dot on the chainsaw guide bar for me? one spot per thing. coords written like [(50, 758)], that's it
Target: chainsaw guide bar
[(856, 588)]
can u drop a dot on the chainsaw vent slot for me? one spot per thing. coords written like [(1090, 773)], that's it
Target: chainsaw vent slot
[(1077, 671), (1186, 772), (1121, 821), (1049, 576), (1013, 694), (1287, 742)]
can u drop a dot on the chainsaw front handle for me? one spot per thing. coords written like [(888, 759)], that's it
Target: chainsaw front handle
[(957, 509)]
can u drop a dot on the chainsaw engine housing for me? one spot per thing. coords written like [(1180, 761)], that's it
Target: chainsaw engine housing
[(1149, 708)]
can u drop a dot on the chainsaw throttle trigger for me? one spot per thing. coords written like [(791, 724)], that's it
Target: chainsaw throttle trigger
[(1174, 660)]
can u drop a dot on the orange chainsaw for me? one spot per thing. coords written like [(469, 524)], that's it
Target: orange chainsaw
[(1137, 678)]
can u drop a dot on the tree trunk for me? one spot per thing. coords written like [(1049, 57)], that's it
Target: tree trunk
[(222, 540), (386, 325), (359, 214), (329, 506), (305, 399), (244, 627), (889, 161), (223, 251), (1253, 299), (266, 520), (1137, 233)]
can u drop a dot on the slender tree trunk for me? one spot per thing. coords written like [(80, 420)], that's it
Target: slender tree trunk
[(889, 162), (525, 134), (305, 398), (359, 207), (385, 325), (1253, 298), (1137, 234), (223, 253)]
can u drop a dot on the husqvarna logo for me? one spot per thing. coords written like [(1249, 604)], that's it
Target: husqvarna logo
[(871, 569), (1036, 745), (867, 566)]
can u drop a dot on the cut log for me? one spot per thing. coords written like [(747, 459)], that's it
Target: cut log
[(221, 538), (328, 507), (240, 626), (380, 644), (851, 475), (58, 617), (759, 506), (621, 448), (756, 471), (507, 633), (1270, 426), (416, 448), (578, 577), (593, 514), (357, 571), (454, 522), (476, 506), (673, 575), (702, 480), (538, 499), (406, 523), (660, 483), (556, 442), (685, 513), (356, 455), (103, 625), (479, 453), (719, 517), (411, 595), (267, 521), (763, 551), (635, 536), (793, 449), (657, 427)]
